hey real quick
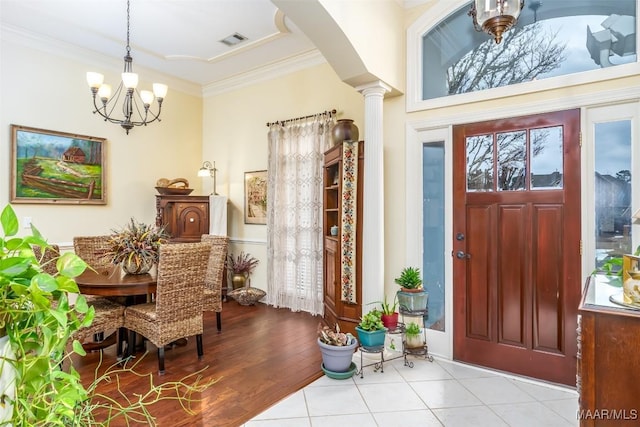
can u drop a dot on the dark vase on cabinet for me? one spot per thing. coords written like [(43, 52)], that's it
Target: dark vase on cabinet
[(346, 314), (186, 218)]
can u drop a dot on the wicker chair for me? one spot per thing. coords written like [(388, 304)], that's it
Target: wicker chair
[(47, 258), (214, 279), (93, 250), (108, 316), (177, 310)]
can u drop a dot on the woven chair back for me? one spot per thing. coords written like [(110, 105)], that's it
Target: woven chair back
[(47, 258), (215, 268), (179, 292), (93, 250)]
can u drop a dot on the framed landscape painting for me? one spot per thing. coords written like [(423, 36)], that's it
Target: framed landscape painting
[(255, 197), (56, 167)]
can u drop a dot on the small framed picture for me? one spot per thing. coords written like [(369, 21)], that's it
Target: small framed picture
[(255, 197), (57, 167)]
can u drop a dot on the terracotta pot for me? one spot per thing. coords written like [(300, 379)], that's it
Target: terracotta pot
[(344, 130)]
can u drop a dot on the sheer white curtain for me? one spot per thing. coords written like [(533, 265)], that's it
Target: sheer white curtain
[(294, 213)]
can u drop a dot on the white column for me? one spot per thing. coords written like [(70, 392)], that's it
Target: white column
[(373, 209)]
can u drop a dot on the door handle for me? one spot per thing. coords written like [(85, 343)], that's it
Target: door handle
[(462, 255)]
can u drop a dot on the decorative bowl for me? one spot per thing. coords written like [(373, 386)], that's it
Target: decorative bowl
[(247, 296), (174, 191), (340, 375)]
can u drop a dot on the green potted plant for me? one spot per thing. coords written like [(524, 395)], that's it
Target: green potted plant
[(413, 335), (412, 298), (410, 280), (337, 350), (389, 313), (371, 331), (241, 267), (136, 246), (38, 323)]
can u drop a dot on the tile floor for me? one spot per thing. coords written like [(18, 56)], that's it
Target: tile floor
[(438, 393)]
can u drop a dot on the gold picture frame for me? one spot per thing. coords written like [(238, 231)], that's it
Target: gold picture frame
[(57, 167), (255, 197)]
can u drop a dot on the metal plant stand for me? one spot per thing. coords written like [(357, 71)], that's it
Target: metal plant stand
[(417, 351)]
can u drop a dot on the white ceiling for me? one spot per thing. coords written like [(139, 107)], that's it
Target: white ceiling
[(179, 38)]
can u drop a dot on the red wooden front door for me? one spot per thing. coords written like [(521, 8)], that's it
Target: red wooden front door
[(517, 244)]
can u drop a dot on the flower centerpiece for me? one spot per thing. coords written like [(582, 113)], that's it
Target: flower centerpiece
[(136, 246)]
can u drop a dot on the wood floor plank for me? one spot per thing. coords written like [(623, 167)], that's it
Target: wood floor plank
[(262, 355)]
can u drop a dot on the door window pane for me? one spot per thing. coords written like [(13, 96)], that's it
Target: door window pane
[(433, 232), (512, 147), (613, 189), (480, 163), (546, 158)]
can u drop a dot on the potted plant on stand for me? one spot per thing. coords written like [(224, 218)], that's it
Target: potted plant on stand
[(411, 297), (371, 331), (413, 335), (389, 313), (337, 350), (137, 246)]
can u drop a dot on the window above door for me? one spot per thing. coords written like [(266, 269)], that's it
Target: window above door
[(554, 44)]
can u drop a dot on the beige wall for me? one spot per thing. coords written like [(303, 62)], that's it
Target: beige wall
[(48, 91), (235, 137)]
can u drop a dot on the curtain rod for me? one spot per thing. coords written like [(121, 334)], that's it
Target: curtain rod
[(282, 122)]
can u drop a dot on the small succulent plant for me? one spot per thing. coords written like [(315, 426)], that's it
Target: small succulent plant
[(409, 278), (372, 321), (334, 336)]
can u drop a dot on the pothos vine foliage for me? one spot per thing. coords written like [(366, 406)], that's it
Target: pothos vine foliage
[(38, 383)]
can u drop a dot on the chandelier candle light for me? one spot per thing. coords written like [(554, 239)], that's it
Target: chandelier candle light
[(132, 116), (494, 17)]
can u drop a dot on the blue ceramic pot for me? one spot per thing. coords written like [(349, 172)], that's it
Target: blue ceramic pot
[(371, 338)]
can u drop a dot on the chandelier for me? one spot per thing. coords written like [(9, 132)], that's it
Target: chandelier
[(494, 17), (135, 105)]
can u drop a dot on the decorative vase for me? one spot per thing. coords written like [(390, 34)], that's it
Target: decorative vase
[(390, 321), (344, 130), (131, 267), (413, 301), (337, 358), (371, 338), (239, 280)]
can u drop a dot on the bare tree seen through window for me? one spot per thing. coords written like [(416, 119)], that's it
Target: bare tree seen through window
[(523, 55)]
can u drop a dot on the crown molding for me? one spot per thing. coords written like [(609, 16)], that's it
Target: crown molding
[(91, 59), (271, 71)]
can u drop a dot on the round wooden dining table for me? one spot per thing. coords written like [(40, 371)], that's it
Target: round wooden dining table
[(115, 283)]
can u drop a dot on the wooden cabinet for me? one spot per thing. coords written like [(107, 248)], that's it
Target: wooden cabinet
[(346, 314), (608, 382), (186, 218)]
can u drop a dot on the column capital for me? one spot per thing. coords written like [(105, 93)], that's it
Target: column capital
[(377, 87)]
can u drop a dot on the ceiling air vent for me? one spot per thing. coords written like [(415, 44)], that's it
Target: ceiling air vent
[(233, 39)]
